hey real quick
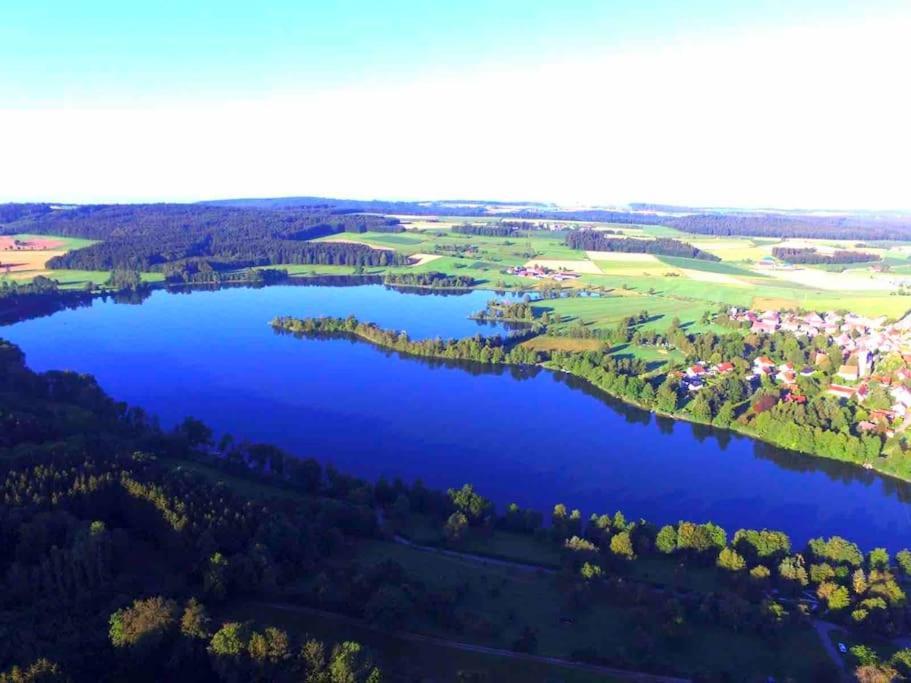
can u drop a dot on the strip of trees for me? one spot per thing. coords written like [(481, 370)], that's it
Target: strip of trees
[(593, 240), (431, 280), (478, 349), (812, 256)]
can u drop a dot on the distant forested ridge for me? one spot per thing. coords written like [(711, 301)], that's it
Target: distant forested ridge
[(812, 256), (777, 225), (149, 236), (592, 240)]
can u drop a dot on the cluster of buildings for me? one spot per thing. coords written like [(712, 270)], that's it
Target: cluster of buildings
[(695, 376), (537, 272), (863, 342)]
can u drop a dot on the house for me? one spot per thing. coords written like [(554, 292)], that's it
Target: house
[(724, 368), (902, 396), (880, 415), (763, 364), (764, 326), (840, 391), (695, 371), (786, 376), (848, 372), (807, 372)]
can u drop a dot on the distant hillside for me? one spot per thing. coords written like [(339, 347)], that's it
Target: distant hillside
[(171, 237)]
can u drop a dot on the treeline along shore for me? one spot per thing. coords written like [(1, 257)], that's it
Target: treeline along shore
[(819, 427)]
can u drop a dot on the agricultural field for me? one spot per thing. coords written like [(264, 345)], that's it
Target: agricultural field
[(25, 256), (746, 275), (29, 260)]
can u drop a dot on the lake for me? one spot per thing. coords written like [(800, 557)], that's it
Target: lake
[(533, 437)]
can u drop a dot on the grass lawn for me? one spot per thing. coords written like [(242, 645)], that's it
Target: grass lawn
[(499, 602), (511, 546), (546, 342), (248, 488), (76, 279), (402, 659)]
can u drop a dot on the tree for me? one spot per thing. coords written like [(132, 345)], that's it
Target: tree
[(903, 558), (39, 671), (621, 545), (730, 560), (143, 626), (472, 505), (839, 598), (701, 409), (194, 623), (666, 540), (878, 558), (666, 398), (455, 527), (215, 579), (590, 571), (901, 660), (725, 414)]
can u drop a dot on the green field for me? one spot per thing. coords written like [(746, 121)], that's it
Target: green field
[(665, 286), (409, 662), (501, 601)]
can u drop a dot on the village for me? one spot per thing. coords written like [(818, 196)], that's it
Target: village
[(865, 343), (539, 272)]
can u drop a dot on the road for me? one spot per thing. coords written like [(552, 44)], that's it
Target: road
[(823, 629), (621, 674), (478, 559)]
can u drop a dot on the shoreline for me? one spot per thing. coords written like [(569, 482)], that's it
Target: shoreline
[(681, 417)]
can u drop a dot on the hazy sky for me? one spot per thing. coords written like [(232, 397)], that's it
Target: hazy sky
[(789, 104)]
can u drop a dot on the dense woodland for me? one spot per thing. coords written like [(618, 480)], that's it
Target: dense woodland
[(181, 237), (593, 240), (810, 227), (811, 256)]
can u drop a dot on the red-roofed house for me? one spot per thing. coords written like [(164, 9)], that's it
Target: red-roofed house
[(723, 368), (840, 391)]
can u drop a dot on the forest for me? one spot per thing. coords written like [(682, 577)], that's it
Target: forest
[(147, 237), (593, 240), (811, 256), (804, 226)]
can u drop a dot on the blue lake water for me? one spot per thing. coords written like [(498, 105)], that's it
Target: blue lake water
[(533, 437)]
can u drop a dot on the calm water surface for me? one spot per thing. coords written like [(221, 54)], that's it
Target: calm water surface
[(533, 437)]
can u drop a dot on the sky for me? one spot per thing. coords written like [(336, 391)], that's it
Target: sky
[(799, 104)]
